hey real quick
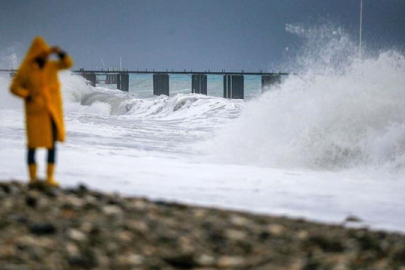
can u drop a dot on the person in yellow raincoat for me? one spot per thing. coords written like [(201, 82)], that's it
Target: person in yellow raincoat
[(37, 83)]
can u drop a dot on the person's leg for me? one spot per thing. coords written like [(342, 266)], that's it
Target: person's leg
[(32, 166), (52, 159)]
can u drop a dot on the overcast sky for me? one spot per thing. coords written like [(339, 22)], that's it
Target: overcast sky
[(193, 34)]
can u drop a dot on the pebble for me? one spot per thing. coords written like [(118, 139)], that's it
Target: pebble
[(276, 229), (125, 236), (235, 234), (138, 226), (31, 201), (138, 205), (302, 235), (353, 219), (45, 228), (82, 261), (205, 260), (72, 249), (186, 261), (239, 221), (112, 210), (76, 235), (74, 201), (118, 233), (130, 260), (230, 261)]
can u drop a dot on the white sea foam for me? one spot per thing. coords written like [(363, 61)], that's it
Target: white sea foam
[(83, 98), (337, 113)]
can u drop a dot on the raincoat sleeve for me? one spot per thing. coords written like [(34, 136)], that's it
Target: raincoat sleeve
[(65, 61), (18, 88)]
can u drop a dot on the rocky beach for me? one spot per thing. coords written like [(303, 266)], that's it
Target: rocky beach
[(78, 228)]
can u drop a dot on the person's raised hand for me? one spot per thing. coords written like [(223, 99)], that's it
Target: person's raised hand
[(55, 49)]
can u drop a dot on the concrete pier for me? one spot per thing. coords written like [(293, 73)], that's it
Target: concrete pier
[(199, 84), (123, 82), (161, 84), (90, 77), (234, 86), (270, 80), (111, 79)]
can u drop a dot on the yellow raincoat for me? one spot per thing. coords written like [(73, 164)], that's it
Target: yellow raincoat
[(42, 88)]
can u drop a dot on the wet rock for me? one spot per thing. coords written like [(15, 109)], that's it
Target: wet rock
[(235, 234), (82, 261), (112, 210), (76, 235), (125, 236), (82, 188), (326, 243), (138, 226), (72, 250), (31, 201), (39, 185), (45, 228), (353, 219), (79, 190), (128, 260), (276, 229), (53, 193), (18, 218), (230, 261), (137, 205), (85, 259), (7, 203), (205, 260), (90, 202), (182, 261), (73, 202), (5, 188), (84, 229), (239, 221), (302, 235)]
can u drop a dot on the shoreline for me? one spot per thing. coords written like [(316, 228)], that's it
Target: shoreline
[(78, 228)]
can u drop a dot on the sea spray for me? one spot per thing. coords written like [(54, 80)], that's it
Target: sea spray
[(336, 113)]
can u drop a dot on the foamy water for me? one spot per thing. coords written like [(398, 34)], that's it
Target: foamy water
[(333, 115), (354, 118)]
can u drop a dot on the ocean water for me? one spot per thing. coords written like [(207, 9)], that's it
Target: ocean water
[(326, 143), (141, 85)]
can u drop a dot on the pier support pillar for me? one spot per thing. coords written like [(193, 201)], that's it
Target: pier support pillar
[(234, 86), (161, 84), (199, 84), (111, 79), (90, 77), (270, 80), (123, 82)]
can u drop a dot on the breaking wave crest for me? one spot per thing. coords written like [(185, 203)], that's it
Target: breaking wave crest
[(334, 114), (83, 98)]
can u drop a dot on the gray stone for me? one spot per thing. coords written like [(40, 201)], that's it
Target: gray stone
[(230, 261), (45, 228)]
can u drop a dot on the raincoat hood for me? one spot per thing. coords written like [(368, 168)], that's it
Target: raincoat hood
[(38, 46)]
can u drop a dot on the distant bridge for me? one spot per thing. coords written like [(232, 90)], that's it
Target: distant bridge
[(233, 82)]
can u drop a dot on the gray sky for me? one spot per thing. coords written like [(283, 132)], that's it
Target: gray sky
[(179, 34)]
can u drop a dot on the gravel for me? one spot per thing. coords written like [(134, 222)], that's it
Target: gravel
[(78, 228)]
